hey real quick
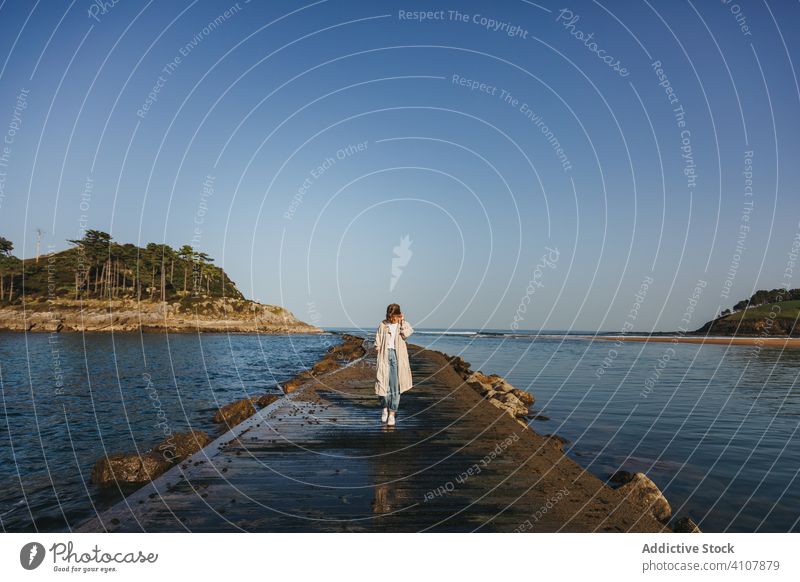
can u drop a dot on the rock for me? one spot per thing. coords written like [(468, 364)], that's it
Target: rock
[(460, 366), (621, 477), (481, 389), (556, 441), (358, 352), (519, 408), (512, 410), (324, 366), (502, 386), (297, 381), (128, 468), (640, 489), (351, 352), (510, 397), (477, 377), (537, 416), (235, 412), (520, 399), (350, 349), (267, 399), (686, 525), (494, 379), (291, 385), (182, 445), (526, 397)]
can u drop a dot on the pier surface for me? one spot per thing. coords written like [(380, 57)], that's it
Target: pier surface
[(320, 459)]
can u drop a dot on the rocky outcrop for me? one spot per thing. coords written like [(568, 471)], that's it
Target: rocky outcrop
[(459, 365), (640, 489), (267, 399), (232, 414), (300, 379), (686, 525), (496, 390), (182, 445), (556, 441), (338, 355), (137, 469), (620, 478), (235, 412), (498, 385), (502, 394), (218, 314), (324, 366), (127, 468), (351, 348)]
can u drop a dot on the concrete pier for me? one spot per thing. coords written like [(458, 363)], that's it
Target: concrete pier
[(319, 459)]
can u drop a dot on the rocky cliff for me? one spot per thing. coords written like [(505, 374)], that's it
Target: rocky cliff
[(205, 315)]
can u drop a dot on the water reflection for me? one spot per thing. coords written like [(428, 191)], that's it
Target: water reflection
[(392, 463)]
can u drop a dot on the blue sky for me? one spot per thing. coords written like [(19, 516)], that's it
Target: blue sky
[(331, 130)]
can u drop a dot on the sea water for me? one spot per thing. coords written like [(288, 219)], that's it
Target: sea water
[(716, 427), (68, 399)]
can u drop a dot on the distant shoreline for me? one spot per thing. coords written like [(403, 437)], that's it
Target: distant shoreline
[(789, 342), (656, 336)]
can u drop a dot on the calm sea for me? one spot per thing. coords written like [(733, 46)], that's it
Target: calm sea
[(717, 428), (67, 399)]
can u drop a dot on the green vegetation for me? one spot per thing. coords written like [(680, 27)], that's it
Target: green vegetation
[(785, 309), (99, 268), (764, 297), (766, 313), (9, 265)]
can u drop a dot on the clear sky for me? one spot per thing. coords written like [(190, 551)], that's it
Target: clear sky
[(337, 156)]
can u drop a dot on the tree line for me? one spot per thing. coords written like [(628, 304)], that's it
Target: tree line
[(99, 267), (764, 297), (9, 264)]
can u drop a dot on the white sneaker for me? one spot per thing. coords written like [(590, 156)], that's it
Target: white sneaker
[(390, 422), (384, 414)]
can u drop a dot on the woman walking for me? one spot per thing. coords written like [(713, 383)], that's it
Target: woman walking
[(393, 375)]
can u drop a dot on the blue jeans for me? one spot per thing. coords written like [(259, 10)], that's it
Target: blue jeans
[(392, 400)]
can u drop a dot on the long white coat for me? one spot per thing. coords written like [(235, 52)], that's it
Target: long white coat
[(404, 330)]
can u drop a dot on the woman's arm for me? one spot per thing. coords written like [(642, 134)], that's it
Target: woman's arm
[(378, 339), (405, 329)]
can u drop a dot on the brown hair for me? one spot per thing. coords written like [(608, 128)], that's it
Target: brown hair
[(392, 309)]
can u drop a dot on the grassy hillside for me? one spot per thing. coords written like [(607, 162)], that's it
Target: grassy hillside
[(785, 309), (767, 313)]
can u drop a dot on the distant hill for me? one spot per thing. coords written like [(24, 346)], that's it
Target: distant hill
[(102, 285), (766, 313)]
